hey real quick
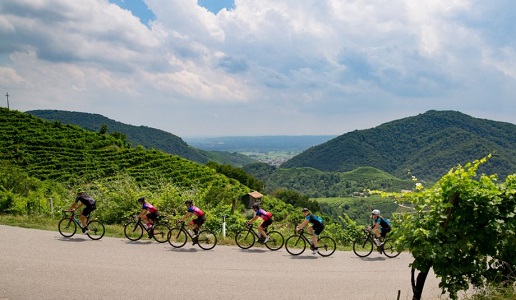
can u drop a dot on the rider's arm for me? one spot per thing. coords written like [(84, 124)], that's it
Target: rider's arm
[(143, 212), (185, 216), (302, 225), (253, 219)]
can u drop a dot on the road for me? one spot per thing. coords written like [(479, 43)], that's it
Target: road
[(37, 264)]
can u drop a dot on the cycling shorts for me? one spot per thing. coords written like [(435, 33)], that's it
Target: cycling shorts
[(266, 223), (383, 231), (318, 229), (199, 220), (152, 216), (88, 209)]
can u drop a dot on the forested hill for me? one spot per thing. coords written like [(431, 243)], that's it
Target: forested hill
[(428, 145), (148, 137), (69, 153)]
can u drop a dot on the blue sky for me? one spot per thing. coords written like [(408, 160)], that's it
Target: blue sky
[(282, 67)]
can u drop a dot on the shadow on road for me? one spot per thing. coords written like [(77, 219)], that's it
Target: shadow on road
[(65, 239), (184, 249), (303, 257), (380, 258), (138, 242), (254, 250)]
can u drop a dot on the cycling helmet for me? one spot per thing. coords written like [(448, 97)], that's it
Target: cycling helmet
[(256, 206), (305, 209), (141, 200), (375, 212), (189, 202)]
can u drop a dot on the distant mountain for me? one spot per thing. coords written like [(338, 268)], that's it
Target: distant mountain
[(149, 138), (264, 144), (427, 145)]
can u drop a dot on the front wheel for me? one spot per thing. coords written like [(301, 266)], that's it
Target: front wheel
[(67, 227), (160, 233), (177, 237), (295, 244), (206, 239), (133, 230), (96, 230), (327, 246), (389, 250), (275, 241), (245, 239), (363, 246)]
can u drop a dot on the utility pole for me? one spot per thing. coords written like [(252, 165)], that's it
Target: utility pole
[(7, 95)]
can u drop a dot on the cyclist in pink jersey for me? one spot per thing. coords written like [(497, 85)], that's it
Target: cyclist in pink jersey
[(149, 213), (267, 220), (194, 223)]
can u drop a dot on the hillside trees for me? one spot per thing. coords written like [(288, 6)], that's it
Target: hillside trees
[(462, 227)]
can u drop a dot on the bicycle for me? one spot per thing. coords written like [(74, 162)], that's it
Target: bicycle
[(68, 226), (363, 246), (178, 236), (133, 230), (296, 244), (246, 238)]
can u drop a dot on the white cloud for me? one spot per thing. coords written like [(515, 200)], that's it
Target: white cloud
[(309, 67)]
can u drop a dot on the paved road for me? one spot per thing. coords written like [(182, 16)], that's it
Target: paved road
[(36, 264)]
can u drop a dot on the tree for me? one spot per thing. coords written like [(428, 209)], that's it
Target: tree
[(462, 227)]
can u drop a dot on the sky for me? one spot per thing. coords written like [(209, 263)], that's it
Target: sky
[(259, 67)]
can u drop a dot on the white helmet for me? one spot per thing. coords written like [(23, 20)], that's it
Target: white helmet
[(375, 212)]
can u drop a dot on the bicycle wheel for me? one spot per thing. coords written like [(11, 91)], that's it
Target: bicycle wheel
[(276, 240), (133, 230), (245, 239), (160, 233), (67, 227), (389, 250), (295, 244), (96, 229), (363, 246), (206, 239), (177, 237), (327, 246)]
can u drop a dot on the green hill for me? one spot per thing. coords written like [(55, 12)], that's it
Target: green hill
[(68, 153), (427, 145), (149, 138)]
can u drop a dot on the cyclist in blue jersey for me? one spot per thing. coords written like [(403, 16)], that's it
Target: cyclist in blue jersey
[(315, 230), (195, 223), (267, 220), (89, 204), (148, 214), (380, 227)]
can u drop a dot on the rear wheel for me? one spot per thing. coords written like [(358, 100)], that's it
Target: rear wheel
[(295, 244), (245, 239), (160, 233), (96, 230), (389, 250), (177, 237), (133, 230), (327, 246), (363, 246), (67, 227), (206, 239), (275, 241)]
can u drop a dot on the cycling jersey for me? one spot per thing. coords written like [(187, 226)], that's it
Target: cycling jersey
[(149, 207), (384, 223), (264, 214), (315, 220), (196, 211), (85, 200)]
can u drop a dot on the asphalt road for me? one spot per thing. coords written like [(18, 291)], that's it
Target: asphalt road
[(37, 264)]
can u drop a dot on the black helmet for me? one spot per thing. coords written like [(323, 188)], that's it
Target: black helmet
[(305, 209), (189, 202), (256, 206), (141, 200)]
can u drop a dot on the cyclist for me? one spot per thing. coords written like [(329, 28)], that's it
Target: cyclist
[(315, 230), (196, 222), (82, 199), (148, 214), (267, 220), (380, 227)]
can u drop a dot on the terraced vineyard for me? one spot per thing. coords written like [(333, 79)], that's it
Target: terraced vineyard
[(66, 153)]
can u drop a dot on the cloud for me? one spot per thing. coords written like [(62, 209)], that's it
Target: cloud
[(309, 67)]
